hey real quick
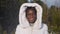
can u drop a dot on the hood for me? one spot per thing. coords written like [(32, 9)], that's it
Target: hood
[(22, 19)]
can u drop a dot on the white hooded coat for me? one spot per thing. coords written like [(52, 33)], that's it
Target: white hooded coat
[(24, 27)]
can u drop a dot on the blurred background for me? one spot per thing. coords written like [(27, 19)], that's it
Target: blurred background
[(9, 13)]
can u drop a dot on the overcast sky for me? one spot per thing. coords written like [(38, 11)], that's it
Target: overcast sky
[(52, 2)]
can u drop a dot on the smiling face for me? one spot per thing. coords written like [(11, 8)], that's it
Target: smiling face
[(31, 15)]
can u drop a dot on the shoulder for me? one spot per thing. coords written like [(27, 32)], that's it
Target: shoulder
[(17, 29), (45, 27)]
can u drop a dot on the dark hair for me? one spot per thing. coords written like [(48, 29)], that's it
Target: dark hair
[(31, 8)]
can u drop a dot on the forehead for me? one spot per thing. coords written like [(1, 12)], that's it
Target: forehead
[(30, 11)]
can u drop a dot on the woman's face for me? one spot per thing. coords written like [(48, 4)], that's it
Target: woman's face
[(31, 16)]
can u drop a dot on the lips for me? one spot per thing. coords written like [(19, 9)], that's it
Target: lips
[(31, 18)]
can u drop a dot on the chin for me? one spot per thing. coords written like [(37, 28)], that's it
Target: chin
[(31, 22)]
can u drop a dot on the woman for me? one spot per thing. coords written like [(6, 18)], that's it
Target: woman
[(30, 19)]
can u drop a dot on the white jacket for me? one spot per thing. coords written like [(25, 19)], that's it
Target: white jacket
[(24, 27)]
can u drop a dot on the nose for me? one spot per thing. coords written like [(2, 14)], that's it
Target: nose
[(31, 16)]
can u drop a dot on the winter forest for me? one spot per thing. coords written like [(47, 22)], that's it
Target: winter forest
[(9, 15)]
